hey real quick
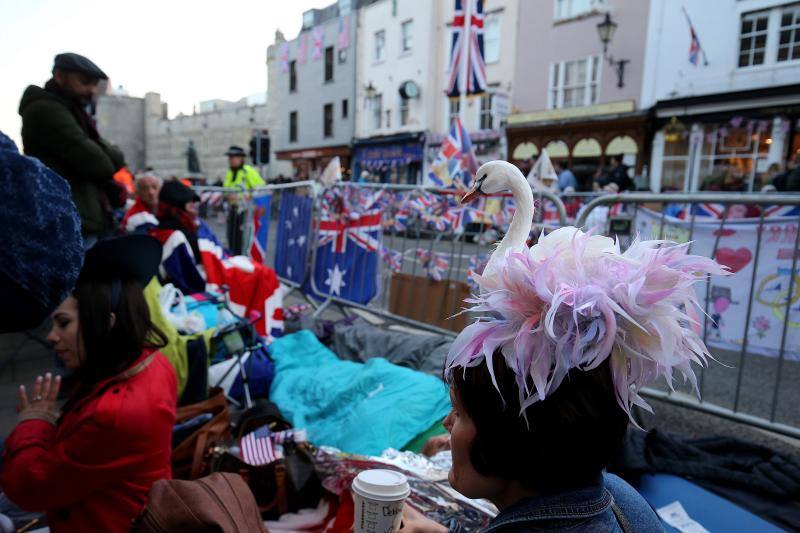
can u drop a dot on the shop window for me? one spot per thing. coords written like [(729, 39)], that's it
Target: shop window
[(733, 156), (491, 38), (293, 127), (380, 45), (377, 111), (404, 109), (345, 110), (789, 36), (525, 151), (406, 36), (327, 120), (329, 63), (753, 39), (292, 76), (574, 83), (565, 9), (486, 112)]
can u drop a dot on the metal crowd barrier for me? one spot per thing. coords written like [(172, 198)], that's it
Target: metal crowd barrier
[(765, 388)]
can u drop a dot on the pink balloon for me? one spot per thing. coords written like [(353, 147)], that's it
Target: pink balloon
[(721, 304)]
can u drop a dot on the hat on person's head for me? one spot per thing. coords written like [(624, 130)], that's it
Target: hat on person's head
[(177, 194), (41, 249), (235, 150), (134, 257), (70, 62)]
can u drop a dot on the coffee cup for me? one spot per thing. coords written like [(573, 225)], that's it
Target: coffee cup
[(378, 497)]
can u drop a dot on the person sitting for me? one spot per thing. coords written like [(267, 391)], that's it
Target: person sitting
[(617, 179), (90, 465), (543, 383), (142, 214)]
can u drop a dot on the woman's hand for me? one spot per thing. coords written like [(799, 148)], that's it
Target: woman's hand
[(436, 444), (42, 403), (416, 522)]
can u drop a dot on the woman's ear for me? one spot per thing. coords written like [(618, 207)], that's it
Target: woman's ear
[(112, 319)]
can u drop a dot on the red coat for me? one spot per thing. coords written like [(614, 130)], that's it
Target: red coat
[(93, 470)]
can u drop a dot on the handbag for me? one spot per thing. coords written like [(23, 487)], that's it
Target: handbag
[(189, 457), (219, 502)]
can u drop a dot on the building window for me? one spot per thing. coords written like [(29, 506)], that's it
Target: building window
[(487, 121), (753, 39), (491, 39), (566, 9), (574, 83), (293, 127), (292, 76), (380, 45), (406, 35), (329, 63), (388, 118), (455, 107), (377, 111), (404, 105), (345, 111), (327, 120), (789, 44)]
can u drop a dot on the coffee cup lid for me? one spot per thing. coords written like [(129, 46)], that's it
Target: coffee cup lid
[(385, 485)]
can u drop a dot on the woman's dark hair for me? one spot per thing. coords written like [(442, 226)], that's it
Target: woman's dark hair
[(112, 349), (567, 440)]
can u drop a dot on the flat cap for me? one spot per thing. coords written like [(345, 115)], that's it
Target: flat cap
[(177, 194), (71, 62)]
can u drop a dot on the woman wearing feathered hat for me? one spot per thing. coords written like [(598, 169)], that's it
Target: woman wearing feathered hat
[(543, 382), (90, 464)]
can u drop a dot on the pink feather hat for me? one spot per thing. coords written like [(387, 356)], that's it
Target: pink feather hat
[(574, 300)]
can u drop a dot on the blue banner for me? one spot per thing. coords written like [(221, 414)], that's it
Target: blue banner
[(294, 228)]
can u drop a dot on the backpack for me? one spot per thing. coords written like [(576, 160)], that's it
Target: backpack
[(220, 503)]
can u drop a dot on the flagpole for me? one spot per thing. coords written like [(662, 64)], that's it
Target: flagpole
[(465, 35)]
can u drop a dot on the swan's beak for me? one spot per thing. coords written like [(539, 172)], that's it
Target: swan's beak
[(473, 193)]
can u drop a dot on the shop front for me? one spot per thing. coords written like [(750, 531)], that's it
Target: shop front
[(725, 142), (584, 139), (310, 162), (393, 159)]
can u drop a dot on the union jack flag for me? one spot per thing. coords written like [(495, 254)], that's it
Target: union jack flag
[(476, 68), (392, 258), (695, 49), (260, 228), (356, 228), (476, 265), (422, 203), (455, 164), (400, 221), (435, 263), (458, 217), (503, 217)]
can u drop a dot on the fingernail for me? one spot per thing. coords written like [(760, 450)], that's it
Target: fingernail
[(48, 375)]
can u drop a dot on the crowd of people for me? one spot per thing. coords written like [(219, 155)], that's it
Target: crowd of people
[(86, 450)]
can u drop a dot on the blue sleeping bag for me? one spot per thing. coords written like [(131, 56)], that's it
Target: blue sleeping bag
[(356, 407)]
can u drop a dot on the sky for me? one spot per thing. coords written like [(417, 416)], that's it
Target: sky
[(188, 51)]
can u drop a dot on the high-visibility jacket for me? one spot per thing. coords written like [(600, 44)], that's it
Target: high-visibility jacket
[(246, 177)]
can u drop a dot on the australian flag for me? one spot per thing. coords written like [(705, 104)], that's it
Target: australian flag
[(294, 227), (348, 255), (260, 228)]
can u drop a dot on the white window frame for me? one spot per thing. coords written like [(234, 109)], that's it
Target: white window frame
[(492, 20), (377, 111), (406, 39), (794, 29), (379, 49), (485, 111), (571, 11), (556, 88), (404, 111), (453, 110), (754, 16)]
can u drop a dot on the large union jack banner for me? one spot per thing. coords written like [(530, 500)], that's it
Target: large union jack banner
[(476, 68)]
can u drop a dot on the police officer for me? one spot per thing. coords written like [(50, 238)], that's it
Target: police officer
[(243, 177)]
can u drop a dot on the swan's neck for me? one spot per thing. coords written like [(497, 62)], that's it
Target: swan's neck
[(520, 226)]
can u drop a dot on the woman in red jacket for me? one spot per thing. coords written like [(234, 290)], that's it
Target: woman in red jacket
[(91, 465)]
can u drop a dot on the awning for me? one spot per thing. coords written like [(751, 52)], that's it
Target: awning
[(388, 151)]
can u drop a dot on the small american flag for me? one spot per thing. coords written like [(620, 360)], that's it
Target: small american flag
[(258, 448)]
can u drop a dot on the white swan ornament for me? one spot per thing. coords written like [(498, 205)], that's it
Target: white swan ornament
[(495, 177)]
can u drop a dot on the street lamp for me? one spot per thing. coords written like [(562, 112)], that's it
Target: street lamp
[(370, 91), (606, 30)]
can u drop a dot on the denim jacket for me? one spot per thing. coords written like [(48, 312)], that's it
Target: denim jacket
[(612, 505)]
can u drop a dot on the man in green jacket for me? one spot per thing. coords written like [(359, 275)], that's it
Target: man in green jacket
[(58, 130), (244, 178)]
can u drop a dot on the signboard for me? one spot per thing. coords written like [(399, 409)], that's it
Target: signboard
[(611, 108), (729, 297)]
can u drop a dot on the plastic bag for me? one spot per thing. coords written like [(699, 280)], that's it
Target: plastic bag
[(174, 308)]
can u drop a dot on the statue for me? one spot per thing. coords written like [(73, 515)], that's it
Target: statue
[(191, 159)]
